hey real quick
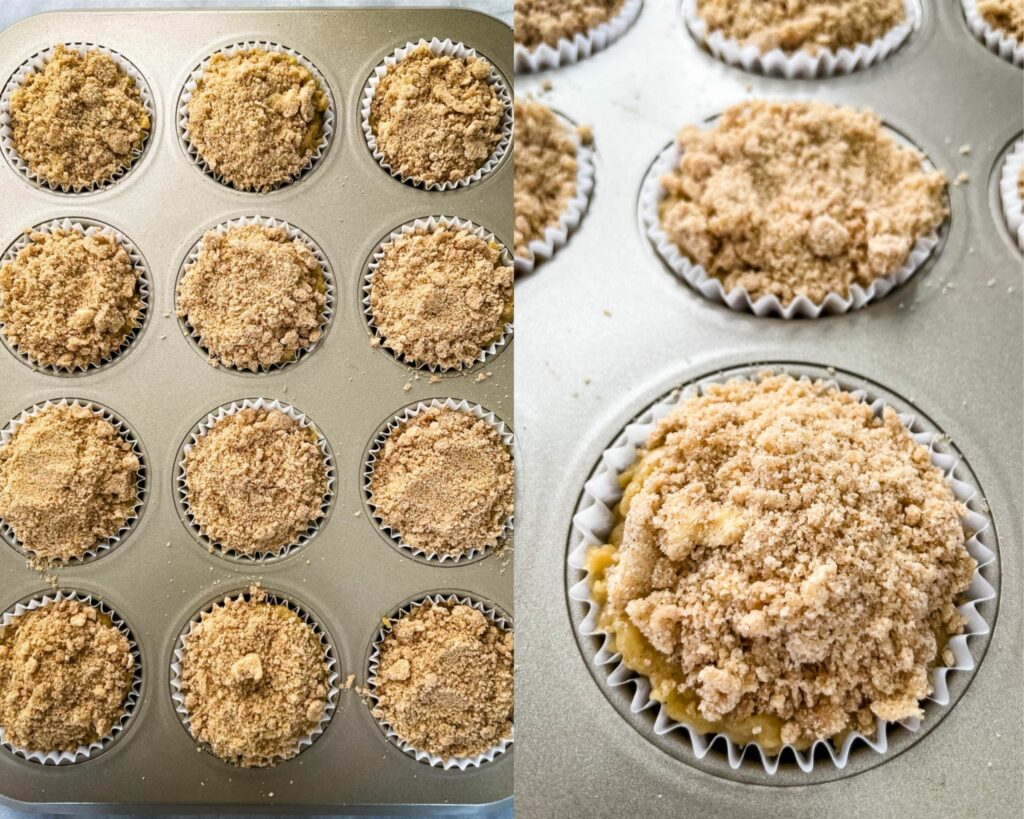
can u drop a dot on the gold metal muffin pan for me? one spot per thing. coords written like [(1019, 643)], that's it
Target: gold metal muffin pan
[(350, 574)]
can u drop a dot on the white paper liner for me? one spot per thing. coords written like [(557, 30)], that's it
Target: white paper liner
[(593, 523), (35, 63), (89, 227), (277, 599), (461, 763), (141, 485), (580, 46), (556, 235), (294, 233), (377, 446), (181, 115), (825, 62), (651, 195), (430, 224), (1009, 193), (996, 41), (181, 488), (82, 752), (439, 47)]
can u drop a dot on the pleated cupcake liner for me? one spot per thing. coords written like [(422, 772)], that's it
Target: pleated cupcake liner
[(738, 298), (188, 89), (430, 224), (593, 523), (374, 453), (36, 63), (450, 49), (1009, 192), (996, 41), (326, 314), (82, 752), (460, 763), (88, 227), (181, 481), (825, 62), (129, 435), (569, 50), (557, 235), (273, 598)]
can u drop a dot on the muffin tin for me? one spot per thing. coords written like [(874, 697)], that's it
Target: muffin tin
[(948, 342), (349, 575)]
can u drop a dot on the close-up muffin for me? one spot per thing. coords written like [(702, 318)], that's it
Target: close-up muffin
[(444, 483), (444, 681), (65, 674), (795, 199), (253, 296), (68, 482), (1005, 16), (548, 21), (79, 120), (254, 680), (785, 566), (440, 297), (256, 117), (69, 300), (435, 117), (255, 480)]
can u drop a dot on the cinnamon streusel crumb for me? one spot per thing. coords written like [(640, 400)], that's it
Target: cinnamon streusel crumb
[(255, 480), (441, 296), (65, 673), (78, 120), (254, 296), (445, 680), (435, 117), (68, 300), (798, 198), (548, 21), (1006, 16)]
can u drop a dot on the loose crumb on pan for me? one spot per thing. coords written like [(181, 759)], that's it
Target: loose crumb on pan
[(444, 480), (809, 25), (546, 169), (435, 117), (77, 121), (256, 117), (1006, 16), (255, 297), (255, 680), (65, 673), (548, 21), (255, 480), (798, 198), (792, 562), (445, 680), (69, 300), (67, 482), (441, 296)]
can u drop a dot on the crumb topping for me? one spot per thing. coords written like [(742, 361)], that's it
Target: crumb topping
[(65, 673), (445, 680), (810, 25), (256, 117), (441, 296), (78, 120), (67, 482), (254, 679), (545, 154), (69, 300), (255, 480), (788, 555), (1006, 16), (798, 198), (445, 481), (255, 297), (548, 21), (435, 117)]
